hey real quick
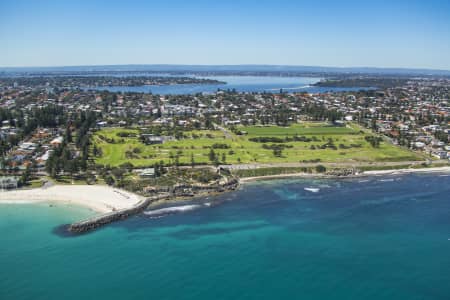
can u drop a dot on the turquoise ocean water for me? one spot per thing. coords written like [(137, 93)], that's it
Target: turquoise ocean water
[(366, 238)]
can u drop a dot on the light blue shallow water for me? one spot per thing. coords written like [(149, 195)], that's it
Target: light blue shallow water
[(270, 84), (385, 238)]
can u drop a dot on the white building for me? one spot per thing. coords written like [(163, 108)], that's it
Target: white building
[(7, 183)]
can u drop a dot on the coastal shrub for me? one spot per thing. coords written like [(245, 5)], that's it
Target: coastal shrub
[(268, 139), (118, 172), (276, 146), (287, 139), (321, 169), (277, 152), (127, 165), (125, 134), (374, 141), (220, 146), (269, 171), (311, 160), (205, 176), (109, 180)]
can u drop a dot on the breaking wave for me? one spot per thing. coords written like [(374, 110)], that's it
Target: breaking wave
[(312, 189), (174, 210), (387, 180)]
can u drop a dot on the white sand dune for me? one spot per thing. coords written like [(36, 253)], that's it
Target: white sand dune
[(97, 197)]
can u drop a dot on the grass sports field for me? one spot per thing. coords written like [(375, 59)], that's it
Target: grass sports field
[(298, 143)]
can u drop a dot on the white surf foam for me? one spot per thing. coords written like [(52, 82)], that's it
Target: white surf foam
[(387, 180), (19, 201), (312, 190), (172, 210)]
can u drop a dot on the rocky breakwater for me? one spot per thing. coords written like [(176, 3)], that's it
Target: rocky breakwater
[(98, 221), (156, 194)]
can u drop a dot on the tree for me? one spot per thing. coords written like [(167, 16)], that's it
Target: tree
[(212, 155), (26, 175), (208, 123), (68, 134), (95, 151), (224, 158), (73, 167), (177, 160), (192, 160)]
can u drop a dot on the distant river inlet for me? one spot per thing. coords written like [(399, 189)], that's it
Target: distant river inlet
[(269, 84)]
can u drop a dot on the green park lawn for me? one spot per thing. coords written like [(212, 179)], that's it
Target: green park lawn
[(241, 150)]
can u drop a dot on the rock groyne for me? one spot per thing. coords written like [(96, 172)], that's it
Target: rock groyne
[(161, 194), (98, 221)]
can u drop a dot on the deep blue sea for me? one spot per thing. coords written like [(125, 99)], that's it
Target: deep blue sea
[(364, 238), (270, 84)]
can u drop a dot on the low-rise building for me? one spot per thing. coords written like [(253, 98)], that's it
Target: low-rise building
[(147, 173), (7, 183)]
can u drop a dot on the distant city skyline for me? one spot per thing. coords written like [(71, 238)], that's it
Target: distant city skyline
[(404, 34)]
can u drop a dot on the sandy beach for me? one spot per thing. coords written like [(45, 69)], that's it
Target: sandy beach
[(407, 171), (366, 173), (99, 198)]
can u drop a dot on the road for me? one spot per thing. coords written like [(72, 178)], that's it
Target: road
[(225, 131)]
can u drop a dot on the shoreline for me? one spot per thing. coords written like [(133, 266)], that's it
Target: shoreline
[(105, 199), (99, 198), (445, 169)]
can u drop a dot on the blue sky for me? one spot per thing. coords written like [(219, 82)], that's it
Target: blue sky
[(324, 33)]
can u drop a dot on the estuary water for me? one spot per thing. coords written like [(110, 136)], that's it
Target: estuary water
[(363, 238), (269, 84)]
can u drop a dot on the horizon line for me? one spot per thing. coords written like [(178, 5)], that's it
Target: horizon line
[(229, 65)]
